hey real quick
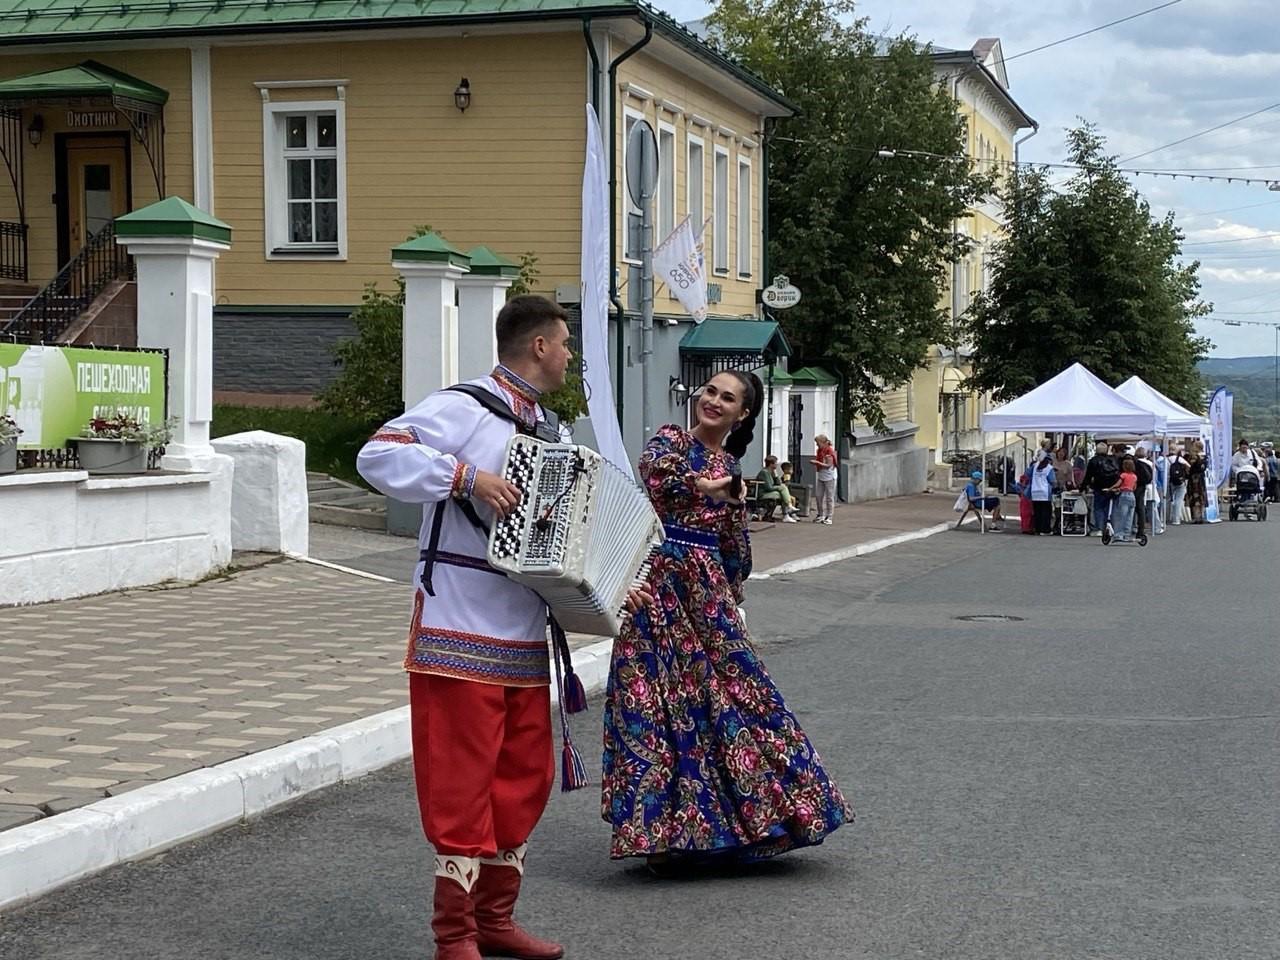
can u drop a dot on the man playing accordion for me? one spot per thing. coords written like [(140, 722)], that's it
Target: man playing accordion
[(478, 658)]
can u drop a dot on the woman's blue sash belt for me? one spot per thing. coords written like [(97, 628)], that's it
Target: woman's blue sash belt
[(691, 537)]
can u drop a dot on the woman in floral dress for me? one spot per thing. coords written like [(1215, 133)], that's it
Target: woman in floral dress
[(702, 759)]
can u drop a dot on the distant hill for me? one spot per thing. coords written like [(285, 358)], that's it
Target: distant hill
[(1236, 366), (1253, 381)]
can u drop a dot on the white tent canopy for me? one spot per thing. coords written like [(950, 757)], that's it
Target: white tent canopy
[(1075, 401), (1181, 422)]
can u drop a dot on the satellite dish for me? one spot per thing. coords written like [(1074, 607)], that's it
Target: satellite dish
[(642, 163)]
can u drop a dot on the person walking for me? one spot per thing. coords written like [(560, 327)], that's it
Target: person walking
[(1179, 470), (1122, 510), (1100, 476), (703, 762), (824, 461), (1273, 475), (1197, 490)]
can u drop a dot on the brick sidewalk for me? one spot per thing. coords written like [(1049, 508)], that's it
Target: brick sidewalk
[(104, 694)]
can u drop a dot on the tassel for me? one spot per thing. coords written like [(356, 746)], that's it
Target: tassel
[(575, 695), (573, 772)]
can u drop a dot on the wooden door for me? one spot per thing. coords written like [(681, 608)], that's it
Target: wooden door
[(97, 188)]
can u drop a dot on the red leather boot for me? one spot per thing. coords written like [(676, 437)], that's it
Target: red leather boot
[(496, 891), (453, 919)]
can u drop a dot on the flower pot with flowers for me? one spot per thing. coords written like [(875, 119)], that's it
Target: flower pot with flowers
[(119, 444), (9, 433)]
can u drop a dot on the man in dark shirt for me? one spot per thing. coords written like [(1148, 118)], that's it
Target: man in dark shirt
[(1100, 473)]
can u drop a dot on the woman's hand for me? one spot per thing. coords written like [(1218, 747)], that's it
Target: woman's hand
[(718, 490), (637, 598)]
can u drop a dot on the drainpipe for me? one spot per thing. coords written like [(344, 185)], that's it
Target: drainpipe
[(1017, 144), (621, 352), (595, 67)]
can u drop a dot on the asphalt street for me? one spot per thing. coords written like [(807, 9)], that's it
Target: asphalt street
[(1098, 778)]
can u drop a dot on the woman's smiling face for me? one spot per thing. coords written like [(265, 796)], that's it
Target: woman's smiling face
[(720, 402)]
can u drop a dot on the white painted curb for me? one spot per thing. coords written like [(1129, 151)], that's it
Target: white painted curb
[(42, 856), (857, 550)]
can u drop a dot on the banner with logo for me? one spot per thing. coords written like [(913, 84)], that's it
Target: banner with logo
[(1218, 449), (678, 262), (595, 302), (53, 392)]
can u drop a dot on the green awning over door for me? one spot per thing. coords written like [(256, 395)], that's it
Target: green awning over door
[(89, 80)]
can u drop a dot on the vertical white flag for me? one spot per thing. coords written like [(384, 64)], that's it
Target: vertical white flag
[(595, 301), (678, 262)]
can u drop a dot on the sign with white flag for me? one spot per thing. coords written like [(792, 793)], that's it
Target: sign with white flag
[(1218, 450), (595, 301), (679, 263)]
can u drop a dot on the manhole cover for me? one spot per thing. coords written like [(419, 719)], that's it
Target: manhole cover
[(990, 618)]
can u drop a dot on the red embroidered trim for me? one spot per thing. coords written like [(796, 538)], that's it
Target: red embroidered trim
[(389, 435), (459, 476)]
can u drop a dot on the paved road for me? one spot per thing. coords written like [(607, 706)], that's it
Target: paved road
[(1098, 779)]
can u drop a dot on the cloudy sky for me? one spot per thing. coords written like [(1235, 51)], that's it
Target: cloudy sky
[(1146, 83)]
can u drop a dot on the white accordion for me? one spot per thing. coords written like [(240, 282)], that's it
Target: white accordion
[(581, 536)]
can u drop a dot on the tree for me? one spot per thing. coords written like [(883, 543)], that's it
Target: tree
[(868, 238), (1086, 273)]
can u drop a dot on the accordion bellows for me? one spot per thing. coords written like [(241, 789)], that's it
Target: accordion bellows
[(581, 537)]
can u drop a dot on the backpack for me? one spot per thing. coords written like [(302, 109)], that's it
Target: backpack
[(1105, 473), (1178, 473)]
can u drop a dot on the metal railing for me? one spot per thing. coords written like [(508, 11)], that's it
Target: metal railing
[(69, 294), (13, 251)]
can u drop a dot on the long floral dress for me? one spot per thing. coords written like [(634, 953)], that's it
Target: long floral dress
[(702, 758)]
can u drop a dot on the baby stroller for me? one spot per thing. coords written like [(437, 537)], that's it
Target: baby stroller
[(1248, 501)]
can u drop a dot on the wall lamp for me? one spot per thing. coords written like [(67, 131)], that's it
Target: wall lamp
[(462, 95), (679, 392), (35, 130)]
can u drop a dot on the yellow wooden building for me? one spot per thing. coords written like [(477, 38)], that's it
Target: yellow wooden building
[(324, 132), (948, 416)]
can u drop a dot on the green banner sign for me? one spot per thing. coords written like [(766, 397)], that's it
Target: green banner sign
[(53, 392)]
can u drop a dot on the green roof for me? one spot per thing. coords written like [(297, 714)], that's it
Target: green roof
[(172, 217), (777, 376), (69, 21), (735, 338), (487, 263), (89, 79), (430, 248), (814, 375)]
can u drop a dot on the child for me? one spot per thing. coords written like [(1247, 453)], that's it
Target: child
[(786, 472), (1122, 508), (825, 462)]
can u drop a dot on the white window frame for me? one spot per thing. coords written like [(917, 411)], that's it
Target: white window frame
[(629, 209), (745, 264), (689, 207), (665, 202), (720, 213), (276, 182)]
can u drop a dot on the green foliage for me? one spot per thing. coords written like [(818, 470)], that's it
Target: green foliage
[(1086, 273), (868, 239), (332, 441)]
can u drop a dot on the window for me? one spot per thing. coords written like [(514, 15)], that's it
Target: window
[(720, 206), (694, 175), (305, 178), (744, 218), (666, 182)]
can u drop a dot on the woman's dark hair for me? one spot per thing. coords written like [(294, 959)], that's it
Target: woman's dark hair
[(752, 397)]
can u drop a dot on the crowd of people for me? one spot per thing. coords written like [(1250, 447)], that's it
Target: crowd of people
[(1136, 489)]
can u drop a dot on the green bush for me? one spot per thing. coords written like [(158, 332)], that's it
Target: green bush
[(332, 441)]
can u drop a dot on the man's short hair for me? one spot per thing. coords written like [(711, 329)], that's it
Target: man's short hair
[(521, 319)]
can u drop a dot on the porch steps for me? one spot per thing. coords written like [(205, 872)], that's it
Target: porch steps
[(344, 504), (11, 305)]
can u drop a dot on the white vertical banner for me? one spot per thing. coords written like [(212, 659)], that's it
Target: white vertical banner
[(1218, 449), (679, 264), (595, 301)]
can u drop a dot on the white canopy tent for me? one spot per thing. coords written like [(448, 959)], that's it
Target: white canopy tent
[(1075, 401), (1180, 421)]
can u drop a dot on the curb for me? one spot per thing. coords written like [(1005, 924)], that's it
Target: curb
[(857, 550), (40, 857)]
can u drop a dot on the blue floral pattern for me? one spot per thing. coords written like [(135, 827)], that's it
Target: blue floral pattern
[(702, 758)]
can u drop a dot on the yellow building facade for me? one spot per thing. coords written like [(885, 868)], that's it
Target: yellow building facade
[(948, 416), (325, 137)]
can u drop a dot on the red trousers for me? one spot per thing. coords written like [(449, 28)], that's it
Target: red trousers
[(482, 762)]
